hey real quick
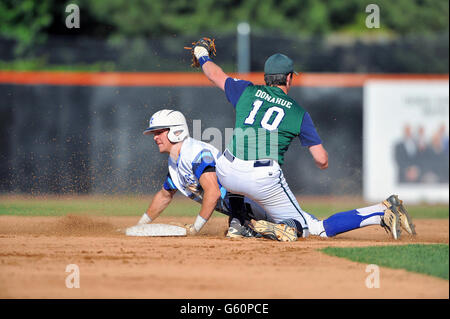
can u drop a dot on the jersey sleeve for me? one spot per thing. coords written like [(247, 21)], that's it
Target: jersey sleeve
[(203, 162), (168, 184), (308, 134), (234, 89)]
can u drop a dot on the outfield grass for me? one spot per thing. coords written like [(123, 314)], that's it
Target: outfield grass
[(426, 259), (136, 205), (90, 205)]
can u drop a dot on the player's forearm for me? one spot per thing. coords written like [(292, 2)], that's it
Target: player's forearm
[(211, 194), (320, 156), (209, 203), (215, 74), (159, 203), (212, 71)]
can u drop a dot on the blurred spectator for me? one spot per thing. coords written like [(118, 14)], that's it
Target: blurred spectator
[(405, 156), (419, 161), (424, 158), (439, 164)]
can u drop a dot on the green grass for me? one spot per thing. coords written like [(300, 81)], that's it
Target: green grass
[(90, 205), (426, 259), (133, 205)]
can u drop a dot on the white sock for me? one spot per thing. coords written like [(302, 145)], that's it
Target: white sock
[(145, 219), (371, 209), (374, 220)]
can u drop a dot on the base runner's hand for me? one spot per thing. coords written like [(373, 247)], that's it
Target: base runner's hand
[(190, 230)]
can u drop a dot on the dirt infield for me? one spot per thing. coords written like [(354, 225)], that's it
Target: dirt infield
[(34, 253)]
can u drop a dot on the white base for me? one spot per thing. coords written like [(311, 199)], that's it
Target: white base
[(155, 230)]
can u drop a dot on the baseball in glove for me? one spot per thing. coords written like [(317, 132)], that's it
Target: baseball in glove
[(205, 47)]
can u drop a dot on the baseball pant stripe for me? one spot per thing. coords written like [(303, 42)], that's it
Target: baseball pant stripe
[(290, 199)]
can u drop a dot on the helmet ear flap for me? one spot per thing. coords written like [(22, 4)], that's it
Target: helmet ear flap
[(177, 134)]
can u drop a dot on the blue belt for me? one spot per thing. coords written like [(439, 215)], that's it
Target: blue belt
[(257, 163)]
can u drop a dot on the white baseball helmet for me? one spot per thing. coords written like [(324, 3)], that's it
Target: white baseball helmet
[(173, 120)]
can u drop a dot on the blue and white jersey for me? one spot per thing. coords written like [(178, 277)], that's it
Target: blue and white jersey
[(195, 158)]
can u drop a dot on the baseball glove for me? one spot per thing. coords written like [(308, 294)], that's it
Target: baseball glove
[(206, 43)]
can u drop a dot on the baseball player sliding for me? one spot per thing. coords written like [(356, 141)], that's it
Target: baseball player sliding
[(267, 120), (191, 170)]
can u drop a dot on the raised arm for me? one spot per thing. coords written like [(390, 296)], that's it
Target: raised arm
[(202, 51), (215, 74), (212, 71)]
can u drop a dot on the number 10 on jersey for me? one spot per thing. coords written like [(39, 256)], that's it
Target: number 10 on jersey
[(267, 116)]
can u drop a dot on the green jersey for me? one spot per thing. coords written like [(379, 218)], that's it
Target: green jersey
[(267, 120)]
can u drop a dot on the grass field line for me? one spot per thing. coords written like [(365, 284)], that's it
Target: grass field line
[(135, 205)]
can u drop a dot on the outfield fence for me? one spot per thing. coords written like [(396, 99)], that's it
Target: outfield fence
[(82, 132)]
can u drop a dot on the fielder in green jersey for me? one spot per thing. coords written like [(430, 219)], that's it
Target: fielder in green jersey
[(267, 120)]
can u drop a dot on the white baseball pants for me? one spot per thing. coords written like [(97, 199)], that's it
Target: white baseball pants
[(263, 181)]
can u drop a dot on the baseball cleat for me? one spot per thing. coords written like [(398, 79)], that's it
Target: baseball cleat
[(238, 231), (391, 223), (233, 233), (279, 232), (395, 204)]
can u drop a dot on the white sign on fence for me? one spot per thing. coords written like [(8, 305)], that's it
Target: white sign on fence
[(405, 140)]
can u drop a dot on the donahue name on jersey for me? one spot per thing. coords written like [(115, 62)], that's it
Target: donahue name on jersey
[(272, 99)]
